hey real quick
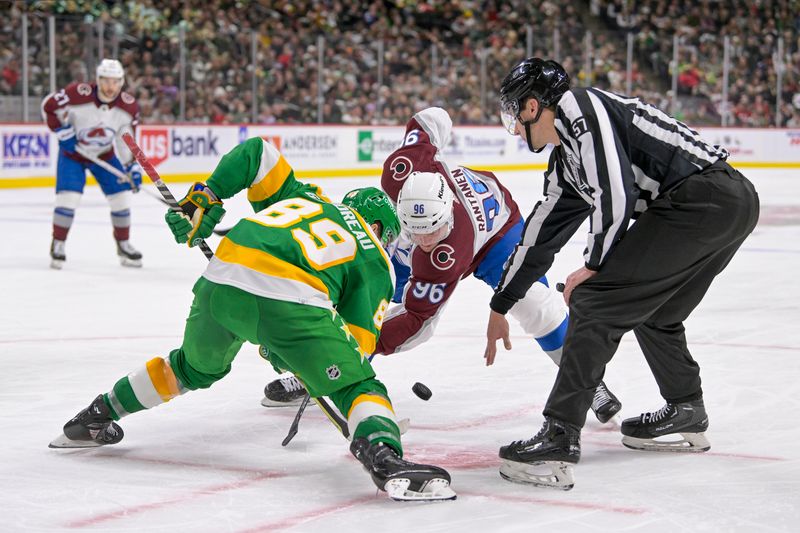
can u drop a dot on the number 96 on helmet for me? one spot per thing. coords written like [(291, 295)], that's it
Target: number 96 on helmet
[(425, 207)]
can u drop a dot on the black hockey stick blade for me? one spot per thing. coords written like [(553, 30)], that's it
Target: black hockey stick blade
[(296, 421), (333, 416)]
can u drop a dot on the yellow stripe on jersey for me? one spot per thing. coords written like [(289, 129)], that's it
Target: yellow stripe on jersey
[(373, 404), (163, 379), (271, 183), (260, 261), (366, 339)]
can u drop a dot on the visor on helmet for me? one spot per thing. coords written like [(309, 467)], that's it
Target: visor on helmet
[(509, 111)]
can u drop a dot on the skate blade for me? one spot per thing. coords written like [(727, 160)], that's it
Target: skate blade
[(266, 402), (63, 441), (688, 443), (56, 264), (403, 425), (434, 490), (132, 263), (547, 474), (615, 422)]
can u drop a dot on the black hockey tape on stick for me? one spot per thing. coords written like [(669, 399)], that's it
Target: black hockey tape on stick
[(296, 421)]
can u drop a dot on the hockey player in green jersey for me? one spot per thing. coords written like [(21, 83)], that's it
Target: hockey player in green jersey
[(306, 279)]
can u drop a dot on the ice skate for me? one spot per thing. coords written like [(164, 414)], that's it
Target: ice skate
[(545, 460), (682, 426), (57, 254), (402, 480), (605, 405), (128, 255), (90, 428), (283, 392)]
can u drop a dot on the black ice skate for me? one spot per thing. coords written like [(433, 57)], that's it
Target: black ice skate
[(283, 392), (90, 428), (57, 254), (686, 420), (605, 405), (402, 480), (545, 460), (128, 255)]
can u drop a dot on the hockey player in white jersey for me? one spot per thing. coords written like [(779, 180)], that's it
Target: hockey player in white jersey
[(89, 119)]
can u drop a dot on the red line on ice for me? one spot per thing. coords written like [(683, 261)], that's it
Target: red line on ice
[(557, 503), (126, 512), (308, 516)]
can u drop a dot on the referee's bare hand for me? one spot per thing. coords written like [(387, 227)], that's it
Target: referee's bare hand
[(575, 279), (496, 330)]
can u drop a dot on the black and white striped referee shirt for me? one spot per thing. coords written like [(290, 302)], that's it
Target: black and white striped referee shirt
[(617, 155)]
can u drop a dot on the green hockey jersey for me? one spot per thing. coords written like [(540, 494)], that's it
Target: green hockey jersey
[(299, 246)]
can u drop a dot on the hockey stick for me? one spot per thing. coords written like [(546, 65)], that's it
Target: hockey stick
[(108, 167), (296, 421), (105, 165), (138, 154), (337, 420)]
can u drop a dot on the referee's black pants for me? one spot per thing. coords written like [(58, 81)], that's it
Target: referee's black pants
[(657, 274)]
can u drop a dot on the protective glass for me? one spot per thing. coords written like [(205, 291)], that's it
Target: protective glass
[(427, 239), (509, 111)]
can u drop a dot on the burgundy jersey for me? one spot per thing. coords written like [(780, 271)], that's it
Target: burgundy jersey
[(98, 126), (483, 211)]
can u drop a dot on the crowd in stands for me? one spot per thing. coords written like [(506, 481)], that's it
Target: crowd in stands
[(753, 27), (447, 53)]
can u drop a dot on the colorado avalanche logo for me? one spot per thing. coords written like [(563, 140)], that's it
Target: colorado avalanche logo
[(401, 167), (127, 99), (442, 257), (84, 89), (100, 135)]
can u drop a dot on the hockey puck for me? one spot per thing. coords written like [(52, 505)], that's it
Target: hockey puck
[(560, 287), (421, 391)]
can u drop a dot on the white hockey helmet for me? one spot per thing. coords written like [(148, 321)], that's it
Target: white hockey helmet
[(110, 68), (425, 203)]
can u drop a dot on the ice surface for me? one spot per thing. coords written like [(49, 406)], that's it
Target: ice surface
[(212, 460)]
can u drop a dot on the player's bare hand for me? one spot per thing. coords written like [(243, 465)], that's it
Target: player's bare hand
[(496, 330), (575, 279)]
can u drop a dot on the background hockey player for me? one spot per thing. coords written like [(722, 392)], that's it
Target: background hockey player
[(455, 223), (89, 119), (617, 160), (303, 277)]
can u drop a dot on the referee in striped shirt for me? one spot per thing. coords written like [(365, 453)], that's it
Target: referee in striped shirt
[(666, 214)]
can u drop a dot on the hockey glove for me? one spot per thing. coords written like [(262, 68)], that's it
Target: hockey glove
[(202, 210), (134, 172)]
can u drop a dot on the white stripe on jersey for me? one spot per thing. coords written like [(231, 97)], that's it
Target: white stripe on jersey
[(657, 132), (287, 290), (425, 332), (615, 179), (269, 158), (436, 122)]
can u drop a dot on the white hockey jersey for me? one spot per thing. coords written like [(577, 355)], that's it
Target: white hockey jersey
[(98, 126)]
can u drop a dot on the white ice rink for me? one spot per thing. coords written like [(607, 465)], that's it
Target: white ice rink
[(212, 460)]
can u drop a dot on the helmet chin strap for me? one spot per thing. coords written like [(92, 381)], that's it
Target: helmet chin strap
[(528, 124)]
